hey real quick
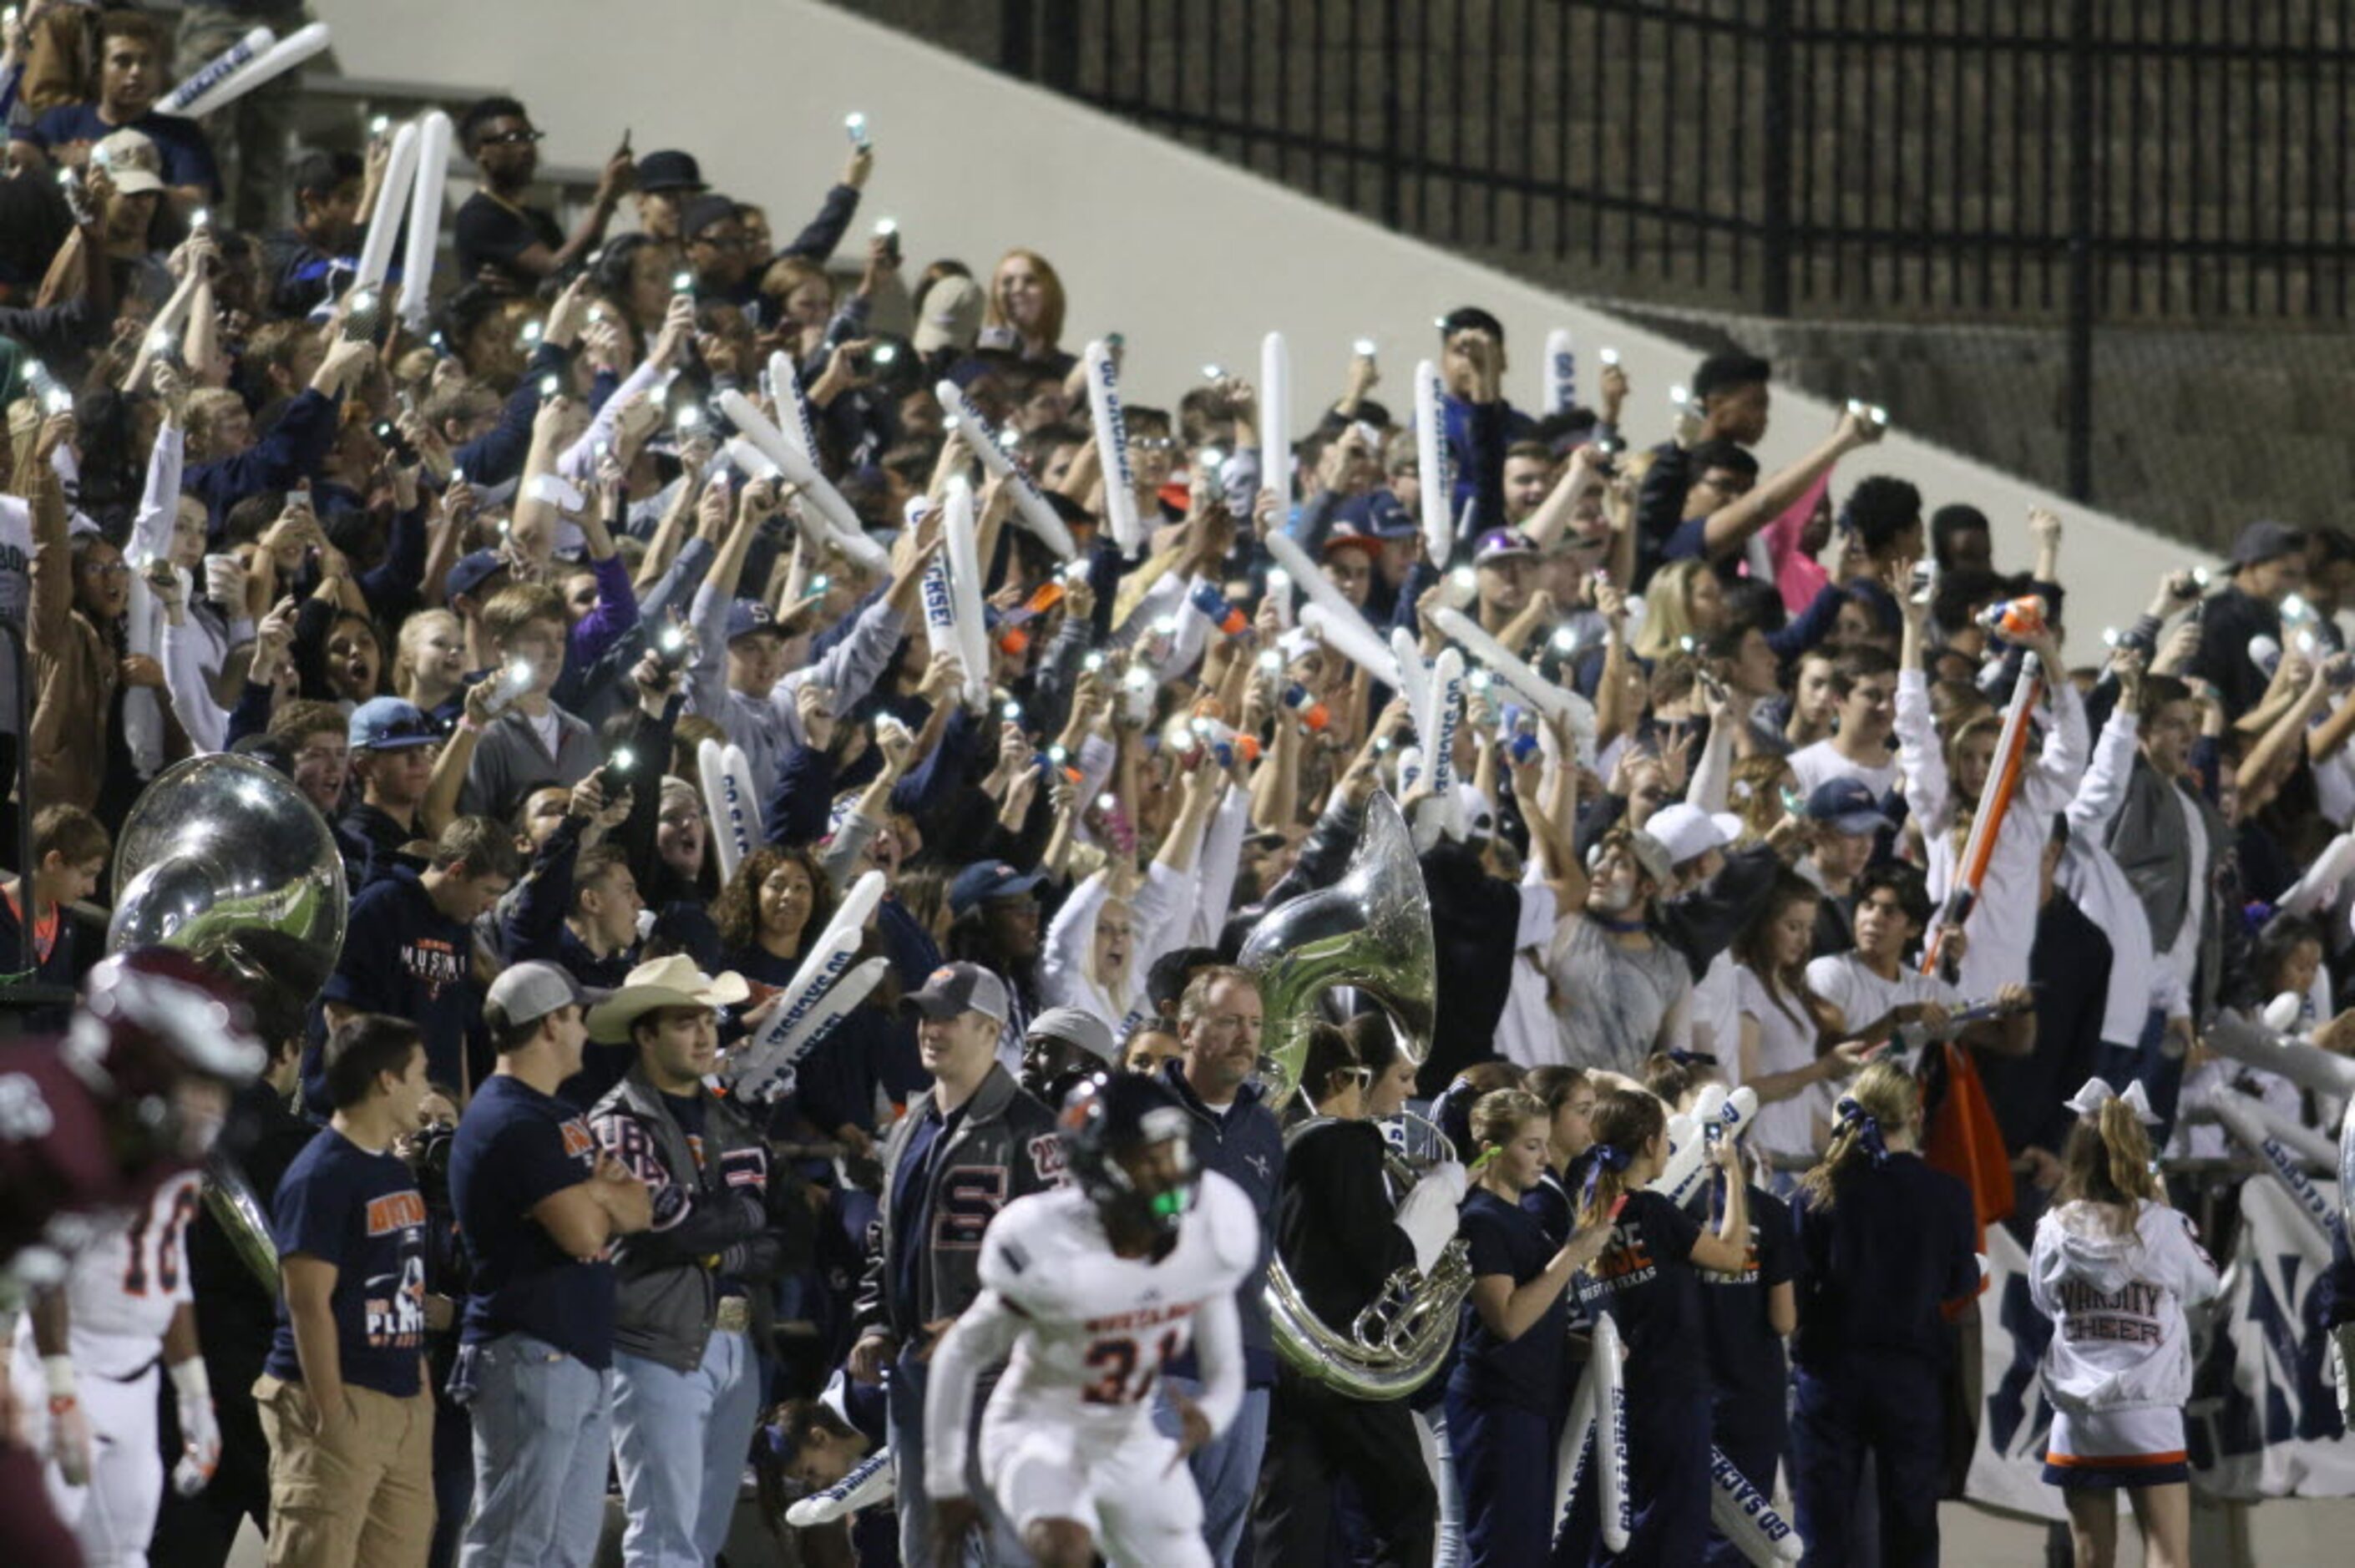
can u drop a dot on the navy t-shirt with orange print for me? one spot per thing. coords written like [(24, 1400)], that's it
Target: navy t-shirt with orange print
[(404, 958), (1645, 1281), (362, 1212), (1745, 1354), (515, 1147)]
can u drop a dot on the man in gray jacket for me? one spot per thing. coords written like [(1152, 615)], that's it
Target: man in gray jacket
[(2171, 844), (968, 1146), (686, 1371)]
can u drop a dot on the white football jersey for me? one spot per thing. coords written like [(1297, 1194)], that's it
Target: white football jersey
[(1098, 1329), (125, 1286)]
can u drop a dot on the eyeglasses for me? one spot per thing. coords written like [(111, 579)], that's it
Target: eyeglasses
[(1151, 443), (513, 139), (107, 568)]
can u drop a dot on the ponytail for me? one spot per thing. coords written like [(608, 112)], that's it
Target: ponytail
[(1885, 1099), (1624, 1124), (2108, 1164)]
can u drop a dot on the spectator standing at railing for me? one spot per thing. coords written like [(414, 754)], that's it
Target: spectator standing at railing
[(689, 1359), (539, 1207)]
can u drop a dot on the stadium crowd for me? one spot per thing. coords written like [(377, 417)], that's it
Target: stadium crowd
[(518, 597)]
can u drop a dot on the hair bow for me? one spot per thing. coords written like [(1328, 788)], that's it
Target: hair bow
[(1852, 1112), (2089, 1100), (1601, 1158)]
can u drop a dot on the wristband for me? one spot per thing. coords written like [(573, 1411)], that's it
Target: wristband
[(57, 1374), (189, 1379)]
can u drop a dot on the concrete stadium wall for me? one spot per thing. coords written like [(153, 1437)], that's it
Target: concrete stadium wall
[(1192, 259)]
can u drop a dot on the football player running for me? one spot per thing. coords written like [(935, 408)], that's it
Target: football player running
[(1093, 1287)]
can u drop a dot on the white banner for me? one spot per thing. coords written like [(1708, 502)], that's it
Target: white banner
[(2264, 1418), (2008, 1457)]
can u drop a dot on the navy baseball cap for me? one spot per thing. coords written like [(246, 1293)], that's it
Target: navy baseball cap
[(470, 570), (747, 616), (1347, 535), (1847, 805), (1501, 544), (1379, 513), (985, 880), (385, 724)]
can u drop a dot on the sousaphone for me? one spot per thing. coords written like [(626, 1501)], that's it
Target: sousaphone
[(1369, 931), (222, 857)]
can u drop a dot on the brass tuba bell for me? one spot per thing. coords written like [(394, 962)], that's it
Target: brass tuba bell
[(1371, 930), (222, 857)]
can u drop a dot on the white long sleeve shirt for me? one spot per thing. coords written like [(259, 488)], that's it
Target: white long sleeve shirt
[(2002, 929)]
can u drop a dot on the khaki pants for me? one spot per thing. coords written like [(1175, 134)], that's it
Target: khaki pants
[(365, 1500)]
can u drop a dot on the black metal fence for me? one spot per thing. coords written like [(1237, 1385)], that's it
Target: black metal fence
[(2056, 163)]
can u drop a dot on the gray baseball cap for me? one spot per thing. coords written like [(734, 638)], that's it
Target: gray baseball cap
[(1074, 1027), (959, 988), (527, 992)]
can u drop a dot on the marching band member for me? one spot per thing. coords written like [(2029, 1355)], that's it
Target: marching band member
[(1510, 1390), (1884, 1242), (1648, 1280)]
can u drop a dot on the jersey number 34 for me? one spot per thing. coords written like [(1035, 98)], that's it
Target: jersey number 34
[(1120, 1380)]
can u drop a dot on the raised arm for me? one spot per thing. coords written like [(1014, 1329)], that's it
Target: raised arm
[(1730, 525)]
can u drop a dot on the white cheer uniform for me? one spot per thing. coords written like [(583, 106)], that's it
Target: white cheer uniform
[(2118, 1368), (1068, 1433), (120, 1294)]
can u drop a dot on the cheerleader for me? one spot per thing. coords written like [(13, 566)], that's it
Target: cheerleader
[(1746, 1314), (1568, 1098), (1508, 1391), (1648, 1278), (2115, 1268), (1884, 1242)]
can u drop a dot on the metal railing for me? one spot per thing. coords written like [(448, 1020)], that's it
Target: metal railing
[(2054, 163)]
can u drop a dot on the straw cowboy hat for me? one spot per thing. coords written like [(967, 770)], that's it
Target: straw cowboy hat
[(673, 981)]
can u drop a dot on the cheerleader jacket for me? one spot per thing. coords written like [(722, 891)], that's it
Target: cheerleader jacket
[(2116, 1304)]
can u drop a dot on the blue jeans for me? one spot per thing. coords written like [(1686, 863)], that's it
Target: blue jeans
[(679, 1439), (1226, 1468), (542, 1441), (903, 1411)]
